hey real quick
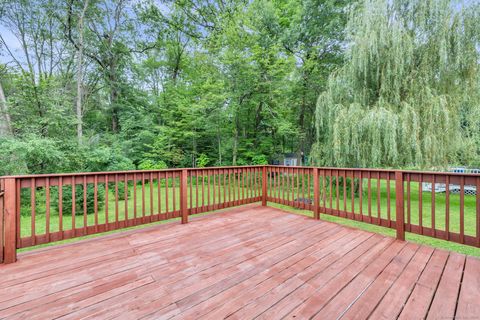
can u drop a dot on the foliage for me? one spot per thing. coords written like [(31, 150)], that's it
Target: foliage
[(408, 92), (79, 194)]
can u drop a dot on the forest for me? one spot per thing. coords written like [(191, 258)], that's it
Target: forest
[(103, 85)]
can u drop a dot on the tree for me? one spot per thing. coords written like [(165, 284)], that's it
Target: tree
[(408, 94)]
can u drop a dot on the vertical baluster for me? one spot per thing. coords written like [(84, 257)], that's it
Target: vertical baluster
[(224, 188), (409, 202), (298, 187), (196, 191), (73, 205), (477, 209), (125, 195), (337, 191), (215, 189), (85, 209), (344, 190), (208, 189), (420, 202), (360, 193), (106, 202), (275, 178), (244, 173), (33, 209), (379, 213), (270, 181), (303, 188), (203, 189), (116, 203), (433, 207), (293, 203), (462, 209), (447, 206), (190, 174), (159, 195), (369, 192), (330, 188), (95, 201), (388, 202), (134, 197), (143, 198), (60, 206), (239, 183), (47, 208), (324, 189), (174, 190), (167, 208), (151, 194), (352, 194), (308, 186)]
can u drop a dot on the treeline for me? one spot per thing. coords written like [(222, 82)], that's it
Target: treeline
[(90, 85), (117, 84)]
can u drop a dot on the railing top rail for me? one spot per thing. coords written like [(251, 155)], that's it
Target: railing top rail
[(70, 174), (382, 170)]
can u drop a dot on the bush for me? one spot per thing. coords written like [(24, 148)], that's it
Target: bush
[(259, 160), (152, 165), (67, 198), (202, 161)]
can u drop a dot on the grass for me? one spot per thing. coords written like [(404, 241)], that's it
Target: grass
[(379, 207)]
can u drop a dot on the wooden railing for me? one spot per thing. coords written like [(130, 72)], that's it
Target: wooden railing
[(39, 209)]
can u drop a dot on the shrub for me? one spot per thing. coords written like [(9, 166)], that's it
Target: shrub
[(67, 198)]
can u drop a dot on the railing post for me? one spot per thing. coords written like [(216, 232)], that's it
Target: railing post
[(399, 208), (316, 194), (183, 196), (264, 186), (10, 221)]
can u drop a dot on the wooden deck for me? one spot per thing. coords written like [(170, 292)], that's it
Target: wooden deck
[(244, 263)]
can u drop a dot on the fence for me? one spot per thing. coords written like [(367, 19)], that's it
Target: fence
[(39, 209)]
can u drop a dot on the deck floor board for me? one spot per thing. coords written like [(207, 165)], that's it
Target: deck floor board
[(242, 263)]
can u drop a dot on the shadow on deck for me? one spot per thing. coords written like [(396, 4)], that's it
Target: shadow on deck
[(242, 263)]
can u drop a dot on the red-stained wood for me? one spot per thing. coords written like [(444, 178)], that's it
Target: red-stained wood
[(420, 299), (420, 204), (264, 186), (106, 202), (73, 204), (9, 217), (125, 190), (462, 210), (316, 195), (399, 211), (468, 306), (33, 205), (60, 206), (477, 211), (47, 208), (85, 206), (167, 208), (95, 202), (262, 262), (445, 300), (183, 196)]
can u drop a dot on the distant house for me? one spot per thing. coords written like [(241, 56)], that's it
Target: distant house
[(290, 159), (453, 188)]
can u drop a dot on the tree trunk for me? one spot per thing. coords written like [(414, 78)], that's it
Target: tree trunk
[(79, 102), (5, 123)]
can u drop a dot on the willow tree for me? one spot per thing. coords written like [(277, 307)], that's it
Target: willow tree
[(408, 94)]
